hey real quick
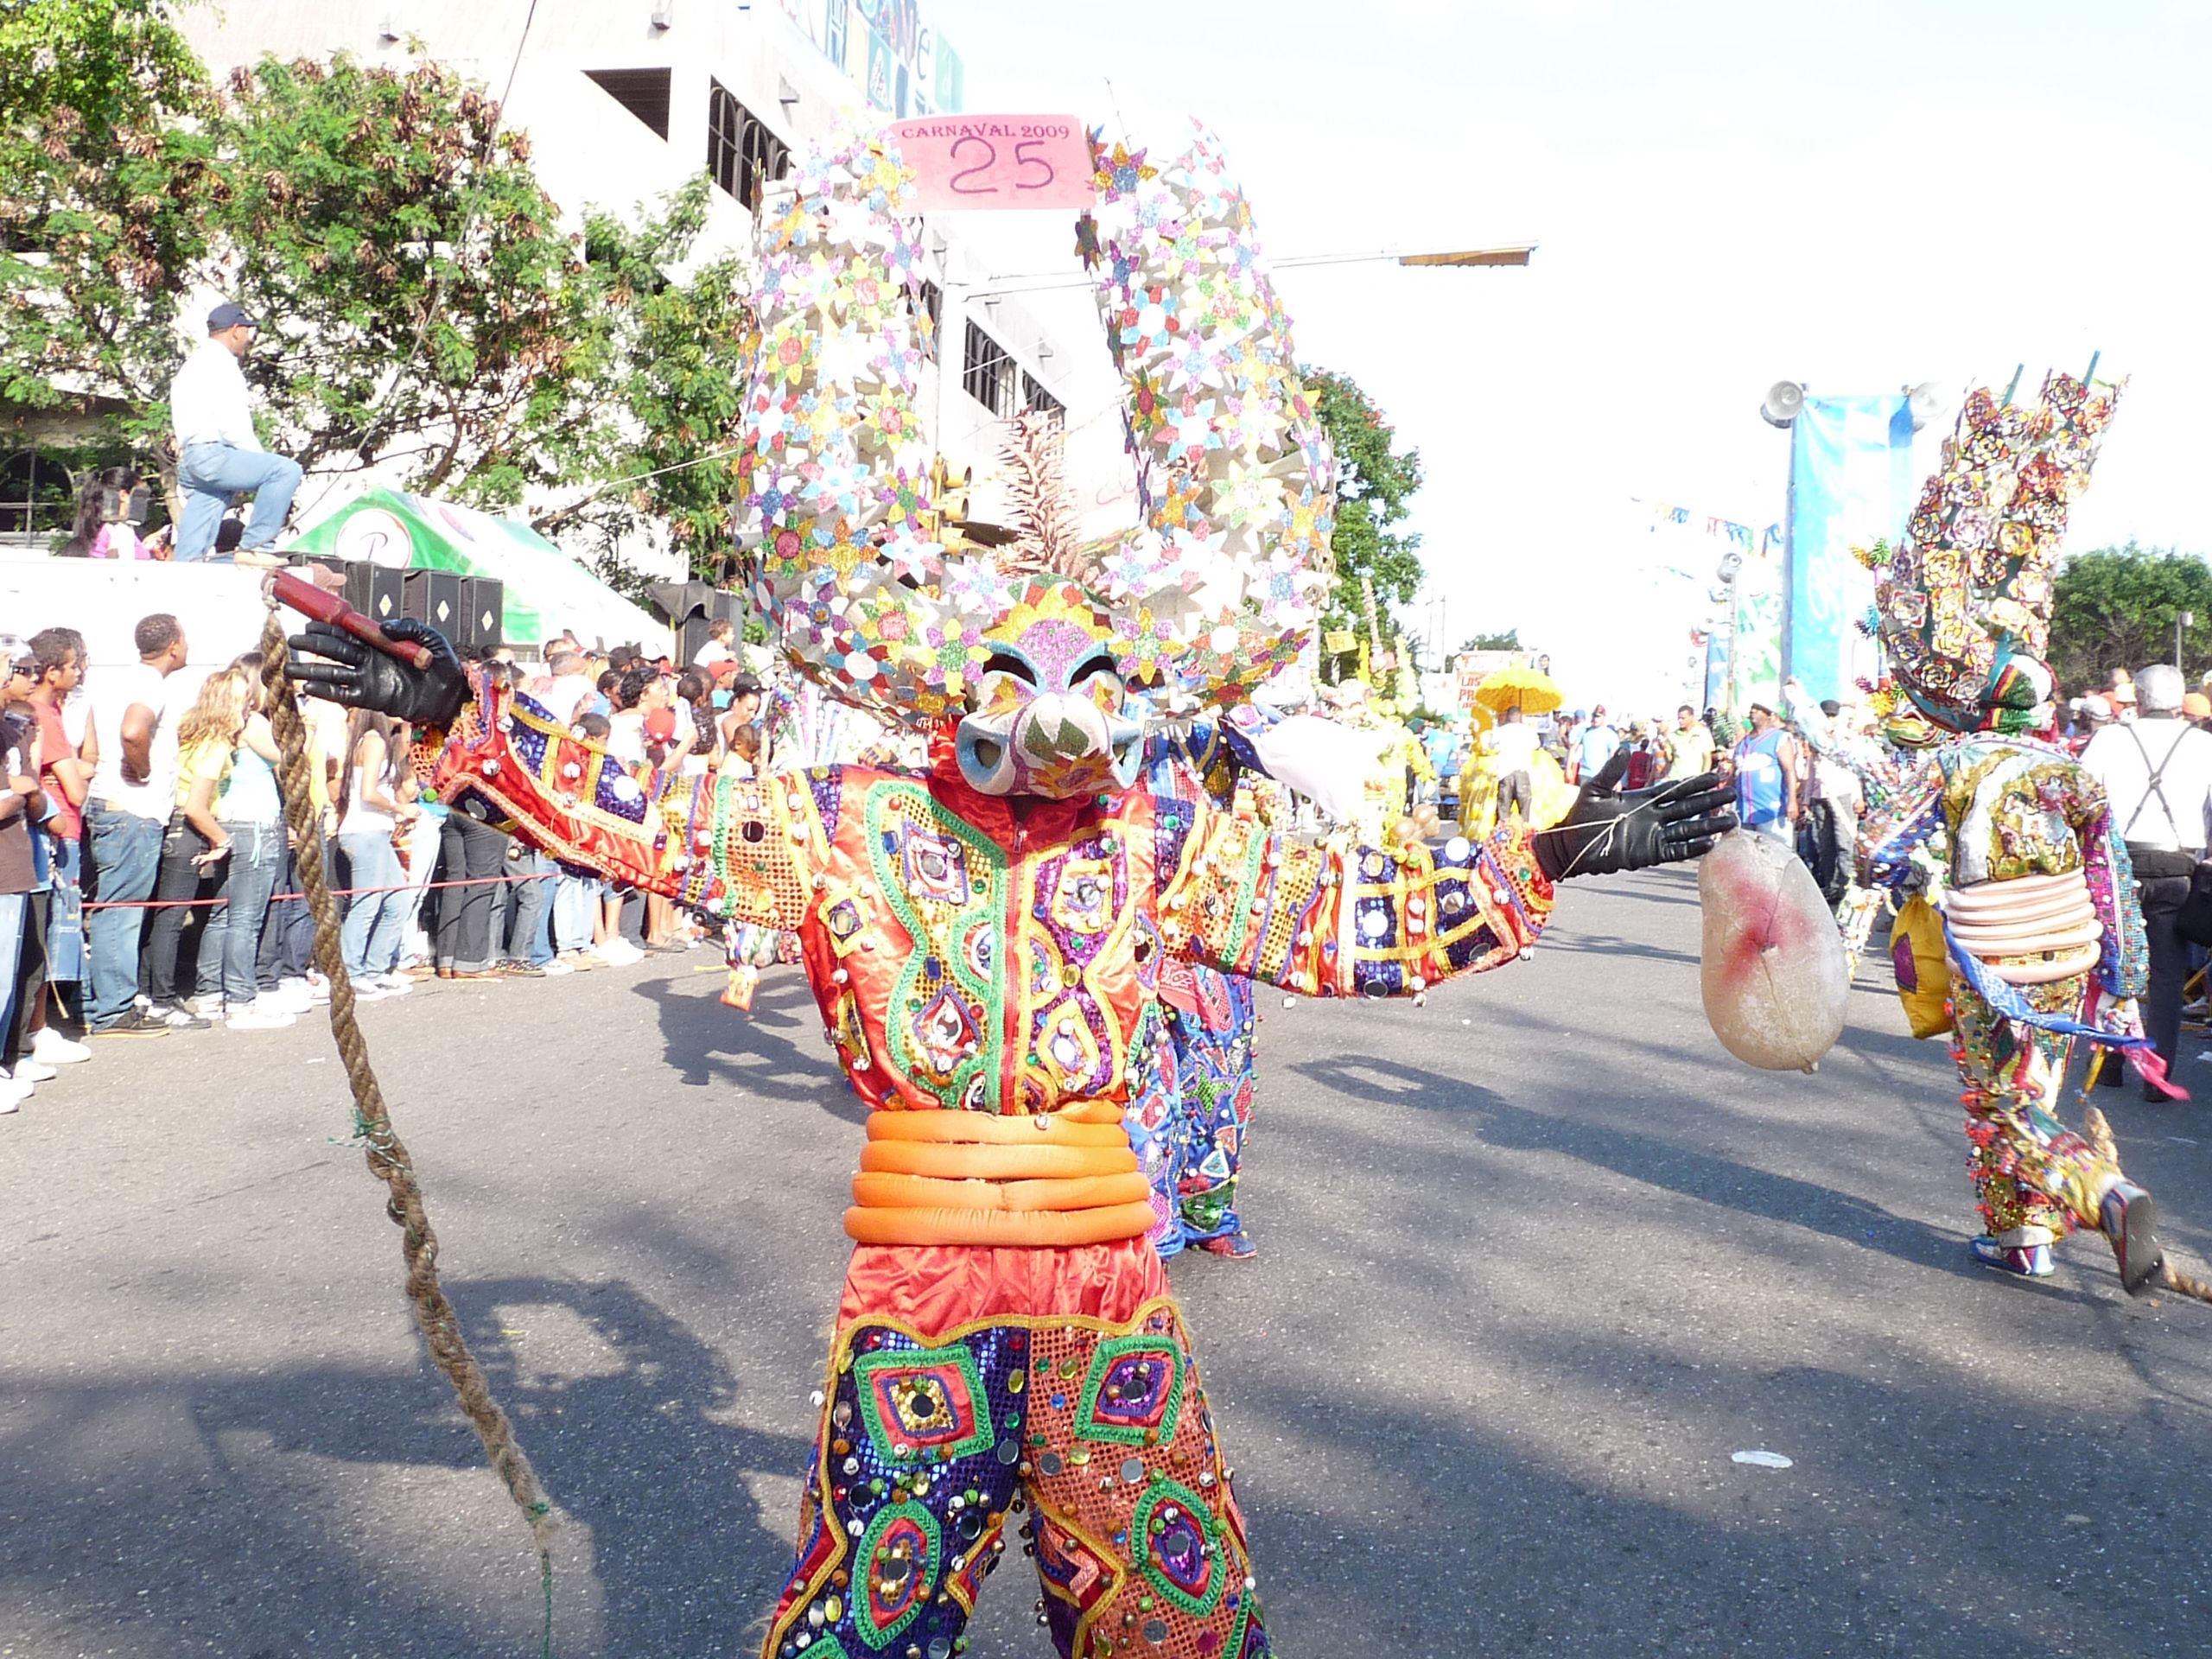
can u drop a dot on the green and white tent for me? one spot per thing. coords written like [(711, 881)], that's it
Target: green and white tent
[(546, 590)]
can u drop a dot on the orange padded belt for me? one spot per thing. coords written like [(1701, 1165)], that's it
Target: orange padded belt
[(966, 1178)]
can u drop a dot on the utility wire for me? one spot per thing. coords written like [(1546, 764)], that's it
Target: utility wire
[(431, 311)]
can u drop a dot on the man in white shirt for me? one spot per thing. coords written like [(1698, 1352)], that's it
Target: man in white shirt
[(127, 811), (567, 686), (2157, 773), (1513, 742), (217, 454)]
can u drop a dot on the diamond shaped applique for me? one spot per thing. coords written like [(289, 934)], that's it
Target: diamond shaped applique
[(923, 1403), (1133, 1392), (1082, 898), (936, 867), (842, 917), (1177, 1545), (899, 1557), (944, 1033)]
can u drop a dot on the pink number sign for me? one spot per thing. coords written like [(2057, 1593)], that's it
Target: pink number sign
[(996, 161)]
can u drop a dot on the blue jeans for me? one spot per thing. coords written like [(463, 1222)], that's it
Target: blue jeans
[(532, 940), (575, 908), (14, 908), (126, 856), (65, 928), (210, 474), (230, 945), (374, 921)]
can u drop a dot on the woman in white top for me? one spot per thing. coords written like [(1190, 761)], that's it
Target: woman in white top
[(372, 805), (251, 818)]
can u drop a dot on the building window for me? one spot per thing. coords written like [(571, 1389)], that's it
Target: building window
[(833, 31), (644, 92), (742, 153), (1036, 399), (932, 305), (988, 375), (36, 496)]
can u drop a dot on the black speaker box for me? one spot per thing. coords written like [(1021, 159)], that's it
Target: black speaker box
[(374, 591), (483, 615), (434, 596)]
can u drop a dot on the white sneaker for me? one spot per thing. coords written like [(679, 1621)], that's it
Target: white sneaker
[(254, 1017), (208, 1006), (29, 1069), (367, 991), (620, 953), (290, 994), (558, 966), (50, 1047), (12, 1095), (395, 984), (318, 988)]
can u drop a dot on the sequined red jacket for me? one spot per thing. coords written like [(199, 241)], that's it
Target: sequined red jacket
[(991, 955)]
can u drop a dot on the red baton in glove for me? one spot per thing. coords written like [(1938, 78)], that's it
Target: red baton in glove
[(321, 604)]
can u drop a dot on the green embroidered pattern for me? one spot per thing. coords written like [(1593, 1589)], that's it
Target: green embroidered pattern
[(1148, 1528), (1089, 1425), (1255, 849), (932, 1392), (937, 936), (865, 1587)]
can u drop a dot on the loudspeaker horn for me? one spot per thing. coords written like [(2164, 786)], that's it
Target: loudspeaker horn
[(1784, 400)]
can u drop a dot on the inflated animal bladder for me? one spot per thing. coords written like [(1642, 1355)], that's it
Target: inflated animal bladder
[(1773, 972)]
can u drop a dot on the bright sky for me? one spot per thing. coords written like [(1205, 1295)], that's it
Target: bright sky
[(1858, 195)]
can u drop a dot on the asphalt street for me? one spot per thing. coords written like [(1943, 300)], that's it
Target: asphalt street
[(1536, 1259)]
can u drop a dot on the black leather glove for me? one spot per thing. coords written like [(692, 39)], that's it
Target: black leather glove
[(358, 675), (1606, 830)]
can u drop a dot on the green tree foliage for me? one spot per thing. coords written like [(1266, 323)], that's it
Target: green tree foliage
[(1376, 482), (422, 304), (2116, 607), (106, 177), (1509, 640), (686, 342), (424, 307)]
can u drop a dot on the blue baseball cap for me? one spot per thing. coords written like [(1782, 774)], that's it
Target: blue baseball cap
[(227, 315)]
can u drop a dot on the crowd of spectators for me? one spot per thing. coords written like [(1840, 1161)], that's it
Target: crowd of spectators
[(149, 883)]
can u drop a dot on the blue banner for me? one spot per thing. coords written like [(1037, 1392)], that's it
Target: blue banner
[(1851, 482)]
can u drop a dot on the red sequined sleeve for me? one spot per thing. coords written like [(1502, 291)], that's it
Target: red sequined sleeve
[(734, 847), (1363, 922)]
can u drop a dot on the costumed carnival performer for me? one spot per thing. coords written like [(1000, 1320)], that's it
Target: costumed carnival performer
[(2011, 836), (982, 938), (1191, 1069)]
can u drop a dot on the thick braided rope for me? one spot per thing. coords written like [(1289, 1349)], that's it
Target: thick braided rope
[(388, 1158)]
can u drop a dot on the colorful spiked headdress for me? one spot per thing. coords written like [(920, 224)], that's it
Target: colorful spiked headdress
[(1962, 607), (852, 560)]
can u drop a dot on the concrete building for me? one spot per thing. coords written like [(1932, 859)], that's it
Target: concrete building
[(626, 100)]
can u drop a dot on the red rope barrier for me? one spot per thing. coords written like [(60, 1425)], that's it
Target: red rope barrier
[(280, 898)]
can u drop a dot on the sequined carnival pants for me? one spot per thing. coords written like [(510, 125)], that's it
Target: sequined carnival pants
[(1191, 1109), (1051, 1390), (2031, 1170)]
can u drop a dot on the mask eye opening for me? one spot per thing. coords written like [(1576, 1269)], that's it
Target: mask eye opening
[(1001, 662), (1101, 663)]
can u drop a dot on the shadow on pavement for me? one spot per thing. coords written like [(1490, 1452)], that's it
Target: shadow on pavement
[(1624, 1543), (776, 1050), (1642, 1158), (621, 1408)]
